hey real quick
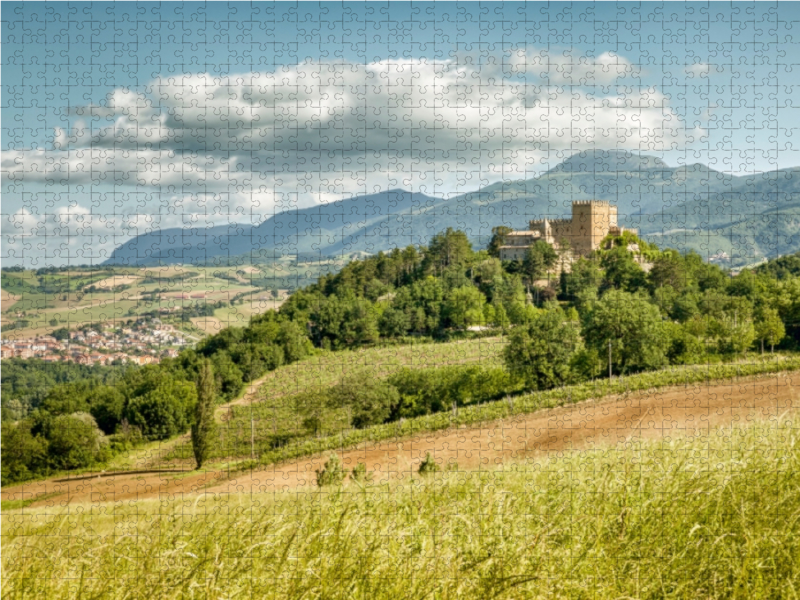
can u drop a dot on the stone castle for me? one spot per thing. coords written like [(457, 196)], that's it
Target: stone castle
[(591, 222)]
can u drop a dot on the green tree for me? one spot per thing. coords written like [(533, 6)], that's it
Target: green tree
[(769, 328), (633, 327), (75, 441), (368, 398), (585, 273), (499, 234), (540, 352), (204, 426), (450, 247), (158, 404), (332, 473), (464, 307), (622, 272), (23, 453), (539, 259)]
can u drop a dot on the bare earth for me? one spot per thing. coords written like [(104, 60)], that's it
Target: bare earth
[(672, 412), (116, 280)]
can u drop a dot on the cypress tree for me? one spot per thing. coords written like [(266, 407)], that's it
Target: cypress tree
[(204, 426)]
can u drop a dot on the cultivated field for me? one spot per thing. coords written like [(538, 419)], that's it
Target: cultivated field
[(713, 516)]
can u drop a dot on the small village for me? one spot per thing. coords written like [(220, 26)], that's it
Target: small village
[(143, 342)]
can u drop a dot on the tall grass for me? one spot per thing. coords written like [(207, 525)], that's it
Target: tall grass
[(710, 517)]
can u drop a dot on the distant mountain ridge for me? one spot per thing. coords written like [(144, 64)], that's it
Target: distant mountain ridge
[(688, 207)]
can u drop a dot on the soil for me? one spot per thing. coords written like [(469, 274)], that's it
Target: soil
[(666, 413)]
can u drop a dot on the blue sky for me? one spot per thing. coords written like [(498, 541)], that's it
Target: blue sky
[(121, 118)]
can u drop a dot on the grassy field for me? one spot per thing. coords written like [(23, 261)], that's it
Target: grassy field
[(710, 517), (276, 418)]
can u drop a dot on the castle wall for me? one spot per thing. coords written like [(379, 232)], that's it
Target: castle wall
[(591, 222)]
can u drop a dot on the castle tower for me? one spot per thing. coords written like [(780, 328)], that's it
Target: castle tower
[(591, 222)]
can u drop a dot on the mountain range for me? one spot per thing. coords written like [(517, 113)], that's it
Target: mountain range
[(735, 219)]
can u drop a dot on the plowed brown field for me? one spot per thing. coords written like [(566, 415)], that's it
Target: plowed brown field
[(673, 412)]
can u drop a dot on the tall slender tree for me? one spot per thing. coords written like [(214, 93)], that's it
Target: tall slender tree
[(204, 426)]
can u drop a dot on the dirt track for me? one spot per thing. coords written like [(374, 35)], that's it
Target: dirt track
[(674, 412)]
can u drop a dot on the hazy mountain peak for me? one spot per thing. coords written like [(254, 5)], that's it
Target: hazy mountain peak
[(608, 161)]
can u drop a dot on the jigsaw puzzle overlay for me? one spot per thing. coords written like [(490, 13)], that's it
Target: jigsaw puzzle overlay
[(400, 300)]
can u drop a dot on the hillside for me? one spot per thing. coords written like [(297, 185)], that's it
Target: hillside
[(687, 207)]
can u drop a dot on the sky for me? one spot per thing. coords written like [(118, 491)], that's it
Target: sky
[(121, 118)]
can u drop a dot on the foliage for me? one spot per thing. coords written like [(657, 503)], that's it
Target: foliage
[(160, 405), (75, 441), (541, 351), (332, 473), (360, 474), (368, 400), (26, 382), (428, 466), (632, 326), (204, 424), (539, 259)]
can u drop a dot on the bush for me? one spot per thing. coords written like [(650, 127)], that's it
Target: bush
[(360, 474), (332, 473), (75, 441), (428, 466), (368, 398)]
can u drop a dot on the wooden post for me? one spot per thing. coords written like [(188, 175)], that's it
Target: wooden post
[(609, 361), (252, 438)]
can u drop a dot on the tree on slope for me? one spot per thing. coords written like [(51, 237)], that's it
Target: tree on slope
[(540, 351), (769, 327), (633, 327), (204, 426)]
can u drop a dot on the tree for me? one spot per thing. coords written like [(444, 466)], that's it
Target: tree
[(24, 454), (204, 426), (160, 405), (75, 441), (332, 473), (633, 327), (539, 259), (464, 307), (499, 234), (769, 328), (368, 398), (584, 274), (450, 247), (540, 352), (622, 272)]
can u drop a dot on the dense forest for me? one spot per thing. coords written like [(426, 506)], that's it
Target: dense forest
[(681, 310)]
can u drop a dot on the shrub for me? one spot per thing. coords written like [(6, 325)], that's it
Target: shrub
[(428, 466), (360, 474), (75, 441), (332, 473)]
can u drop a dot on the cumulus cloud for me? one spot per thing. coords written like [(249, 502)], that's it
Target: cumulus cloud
[(319, 131)]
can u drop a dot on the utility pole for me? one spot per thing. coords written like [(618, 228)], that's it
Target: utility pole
[(609, 360), (252, 438)]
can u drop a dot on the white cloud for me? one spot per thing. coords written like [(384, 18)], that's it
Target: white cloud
[(318, 131)]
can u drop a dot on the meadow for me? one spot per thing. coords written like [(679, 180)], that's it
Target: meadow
[(716, 516), (276, 420)]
